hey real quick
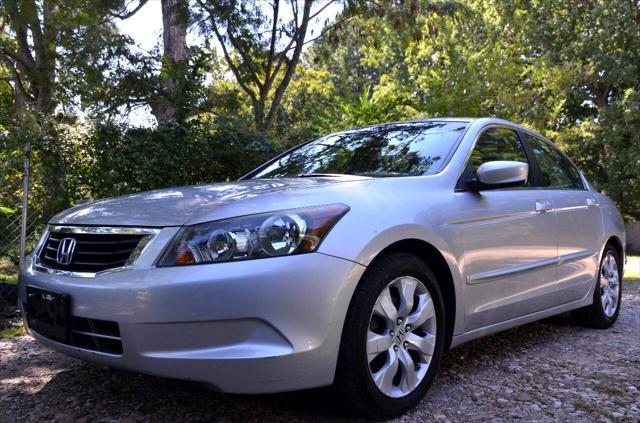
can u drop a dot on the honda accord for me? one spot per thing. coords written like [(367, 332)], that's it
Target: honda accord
[(355, 259)]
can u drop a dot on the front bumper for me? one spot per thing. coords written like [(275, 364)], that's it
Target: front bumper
[(257, 326)]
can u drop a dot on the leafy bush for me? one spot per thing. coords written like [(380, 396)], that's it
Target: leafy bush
[(74, 162), (122, 160), (8, 229), (607, 148)]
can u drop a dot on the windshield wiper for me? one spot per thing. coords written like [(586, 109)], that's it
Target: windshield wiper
[(320, 175), (383, 174)]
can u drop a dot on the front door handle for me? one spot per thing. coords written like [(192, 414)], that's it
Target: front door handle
[(543, 206), (592, 202)]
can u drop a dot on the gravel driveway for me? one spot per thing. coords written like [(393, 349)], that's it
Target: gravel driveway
[(541, 372)]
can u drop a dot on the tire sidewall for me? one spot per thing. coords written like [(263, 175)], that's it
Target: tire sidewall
[(375, 282), (598, 289)]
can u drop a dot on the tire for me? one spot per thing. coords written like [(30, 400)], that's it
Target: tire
[(355, 373), (598, 315)]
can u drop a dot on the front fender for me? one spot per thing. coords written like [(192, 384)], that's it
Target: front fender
[(364, 252)]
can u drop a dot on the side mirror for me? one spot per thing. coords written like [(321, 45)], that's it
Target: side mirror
[(500, 174)]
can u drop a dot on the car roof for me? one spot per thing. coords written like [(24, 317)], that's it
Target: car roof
[(469, 120)]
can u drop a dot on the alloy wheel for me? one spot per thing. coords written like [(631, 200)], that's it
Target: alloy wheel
[(609, 285), (401, 336)]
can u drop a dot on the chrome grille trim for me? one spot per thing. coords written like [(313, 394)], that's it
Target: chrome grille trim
[(148, 234), (107, 230)]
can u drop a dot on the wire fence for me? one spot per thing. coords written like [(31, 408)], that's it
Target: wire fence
[(19, 229), (11, 231)]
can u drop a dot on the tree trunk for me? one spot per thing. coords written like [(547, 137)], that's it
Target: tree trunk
[(175, 17), (45, 50), (601, 93)]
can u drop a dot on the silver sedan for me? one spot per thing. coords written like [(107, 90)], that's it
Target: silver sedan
[(355, 259)]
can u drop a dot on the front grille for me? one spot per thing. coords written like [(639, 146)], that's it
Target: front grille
[(94, 252)]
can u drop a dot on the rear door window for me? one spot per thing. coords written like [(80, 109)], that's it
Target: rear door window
[(556, 172)]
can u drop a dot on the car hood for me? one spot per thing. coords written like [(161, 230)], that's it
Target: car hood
[(177, 206)]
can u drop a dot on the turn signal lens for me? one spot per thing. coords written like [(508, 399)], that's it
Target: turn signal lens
[(256, 236), (184, 255)]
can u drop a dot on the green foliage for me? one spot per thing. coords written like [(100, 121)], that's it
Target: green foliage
[(608, 148), (58, 52), (341, 53), (309, 110), (12, 332), (384, 105), (80, 162), (7, 218), (8, 271), (569, 70), (122, 160)]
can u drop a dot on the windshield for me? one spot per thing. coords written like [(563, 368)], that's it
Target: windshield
[(404, 149)]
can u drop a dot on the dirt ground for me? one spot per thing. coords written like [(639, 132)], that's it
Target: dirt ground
[(548, 371)]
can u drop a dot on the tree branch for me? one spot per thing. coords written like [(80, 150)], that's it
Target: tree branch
[(126, 15), (291, 66), (328, 29), (25, 62), (268, 78), (272, 46), (36, 32), (19, 86), (294, 10), (319, 11), (245, 58), (234, 69), (25, 58), (283, 52)]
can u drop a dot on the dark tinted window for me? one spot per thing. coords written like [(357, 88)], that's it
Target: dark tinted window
[(555, 171), (389, 150), (498, 144)]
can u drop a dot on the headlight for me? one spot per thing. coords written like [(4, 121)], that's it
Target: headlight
[(263, 235)]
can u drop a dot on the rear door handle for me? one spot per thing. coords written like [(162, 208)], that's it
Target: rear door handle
[(543, 206), (592, 202)]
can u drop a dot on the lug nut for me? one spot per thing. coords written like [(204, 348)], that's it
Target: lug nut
[(408, 328), (400, 321), (390, 333), (395, 348), (405, 344)]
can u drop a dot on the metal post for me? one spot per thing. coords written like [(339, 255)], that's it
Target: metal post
[(25, 195)]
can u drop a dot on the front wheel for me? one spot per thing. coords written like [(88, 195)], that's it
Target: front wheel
[(393, 337), (607, 296)]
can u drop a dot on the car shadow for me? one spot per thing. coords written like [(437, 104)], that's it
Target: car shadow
[(104, 393)]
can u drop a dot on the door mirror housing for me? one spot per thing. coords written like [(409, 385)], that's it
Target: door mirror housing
[(501, 174)]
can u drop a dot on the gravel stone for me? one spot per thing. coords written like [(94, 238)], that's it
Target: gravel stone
[(543, 372), (524, 397), (502, 402)]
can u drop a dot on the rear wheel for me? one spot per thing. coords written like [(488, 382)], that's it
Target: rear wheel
[(607, 295), (393, 337)]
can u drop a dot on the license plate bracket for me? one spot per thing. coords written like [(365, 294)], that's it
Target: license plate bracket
[(49, 313)]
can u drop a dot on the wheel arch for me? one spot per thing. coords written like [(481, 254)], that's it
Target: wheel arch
[(438, 264), (616, 243)]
